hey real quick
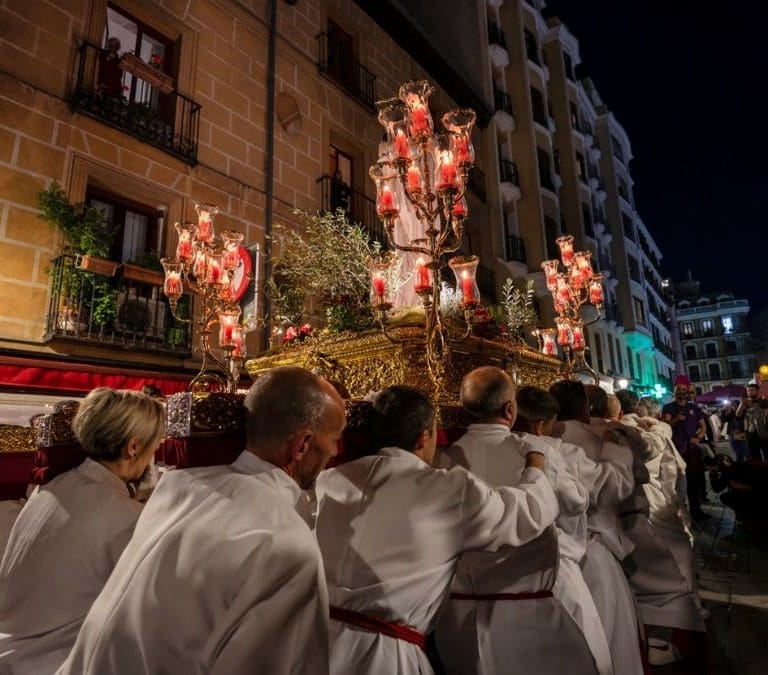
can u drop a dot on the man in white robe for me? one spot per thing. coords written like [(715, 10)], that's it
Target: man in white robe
[(514, 605), (661, 567), (608, 544), (391, 530), (222, 575)]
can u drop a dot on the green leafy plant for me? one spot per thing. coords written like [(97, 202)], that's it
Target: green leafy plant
[(518, 307), (328, 260)]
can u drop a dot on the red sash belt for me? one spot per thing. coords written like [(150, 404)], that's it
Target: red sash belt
[(393, 630), (532, 595)]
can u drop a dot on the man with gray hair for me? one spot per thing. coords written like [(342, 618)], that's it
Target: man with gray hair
[(222, 574)]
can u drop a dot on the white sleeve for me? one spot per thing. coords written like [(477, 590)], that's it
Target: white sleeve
[(609, 481)]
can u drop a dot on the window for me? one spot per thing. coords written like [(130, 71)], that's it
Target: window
[(551, 232), (687, 329), (634, 269), (694, 372), (568, 63), (545, 169), (630, 363), (531, 47), (639, 309), (735, 367), (707, 327), (599, 351), (574, 115), (538, 108), (623, 188), (148, 45), (612, 355), (690, 352), (714, 371), (639, 366), (619, 357), (581, 168), (628, 226), (731, 347), (137, 233), (586, 216), (727, 325), (618, 152), (711, 350)]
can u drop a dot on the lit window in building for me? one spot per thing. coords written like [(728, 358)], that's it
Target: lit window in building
[(687, 329), (727, 325), (707, 327), (639, 309)]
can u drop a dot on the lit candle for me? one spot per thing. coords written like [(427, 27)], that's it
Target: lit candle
[(419, 123), (226, 334), (596, 293), (387, 202), (447, 173), (563, 334), (379, 287), (423, 280), (414, 179), (468, 289), (578, 338), (214, 272), (204, 229), (184, 247), (549, 345), (462, 150), (231, 259), (198, 268), (237, 344), (401, 145), (459, 210), (173, 286)]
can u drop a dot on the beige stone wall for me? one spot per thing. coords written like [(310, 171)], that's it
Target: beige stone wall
[(223, 67)]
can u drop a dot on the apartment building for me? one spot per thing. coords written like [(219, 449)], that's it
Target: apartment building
[(183, 118), (714, 336)]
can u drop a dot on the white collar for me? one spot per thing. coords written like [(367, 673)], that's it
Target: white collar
[(247, 462)]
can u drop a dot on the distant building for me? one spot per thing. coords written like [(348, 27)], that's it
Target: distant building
[(714, 337)]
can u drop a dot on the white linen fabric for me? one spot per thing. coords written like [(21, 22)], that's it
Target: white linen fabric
[(391, 530), (62, 549), (221, 576), (542, 634)]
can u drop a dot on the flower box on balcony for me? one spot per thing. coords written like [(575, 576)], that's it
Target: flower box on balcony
[(131, 63), (106, 268), (142, 275)]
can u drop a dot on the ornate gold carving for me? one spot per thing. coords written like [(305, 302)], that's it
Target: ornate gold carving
[(188, 413), (14, 438), (369, 361)]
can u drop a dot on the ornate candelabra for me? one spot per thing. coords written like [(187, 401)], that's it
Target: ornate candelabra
[(421, 180), (207, 269), (572, 290)]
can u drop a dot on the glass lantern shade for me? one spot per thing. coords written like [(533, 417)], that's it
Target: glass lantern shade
[(200, 266), (422, 274), (239, 350), (465, 270), (228, 320), (566, 249), (393, 116), (387, 205), (381, 292), (459, 123), (550, 274), (215, 271), (548, 341), (577, 335), (564, 334), (232, 241), (415, 95), (596, 290), (205, 215), (187, 233), (459, 210), (173, 286), (446, 176)]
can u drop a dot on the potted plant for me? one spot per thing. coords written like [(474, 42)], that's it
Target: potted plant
[(88, 239), (145, 269)]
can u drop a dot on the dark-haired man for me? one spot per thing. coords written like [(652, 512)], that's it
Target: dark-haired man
[(391, 530)]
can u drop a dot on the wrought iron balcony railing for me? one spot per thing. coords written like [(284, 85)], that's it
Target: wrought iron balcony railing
[(476, 183), (336, 61), (501, 101), (515, 248), (496, 35), (508, 172), (114, 311), (360, 208), (148, 108)]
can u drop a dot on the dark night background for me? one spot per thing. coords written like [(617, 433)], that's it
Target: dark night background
[(687, 84)]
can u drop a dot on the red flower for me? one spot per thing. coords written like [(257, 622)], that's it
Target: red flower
[(290, 334), (305, 330), (156, 59)]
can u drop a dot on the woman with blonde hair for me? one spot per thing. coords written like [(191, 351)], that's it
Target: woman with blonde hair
[(71, 532)]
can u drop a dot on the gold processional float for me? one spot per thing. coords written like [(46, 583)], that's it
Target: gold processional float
[(421, 180)]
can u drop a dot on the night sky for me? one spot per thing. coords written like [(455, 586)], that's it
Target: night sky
[(687, 83)]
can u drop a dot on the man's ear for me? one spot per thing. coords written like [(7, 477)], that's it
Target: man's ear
[(537, 428), (423, 439), (298, 443)]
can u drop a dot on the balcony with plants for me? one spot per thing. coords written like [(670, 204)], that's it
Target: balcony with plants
[(136, 97)]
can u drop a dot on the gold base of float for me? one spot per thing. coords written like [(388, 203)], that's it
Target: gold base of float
[(366, 362)]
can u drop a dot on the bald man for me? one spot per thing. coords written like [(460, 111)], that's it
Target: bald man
[(222, 574)]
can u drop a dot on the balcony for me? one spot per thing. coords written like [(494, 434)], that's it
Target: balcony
[(125, 311), (503, 117), (360, 209), (515, 249), (337, 63), (510, 182), (154, 112), (496, 35), (613, 313)]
